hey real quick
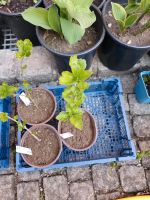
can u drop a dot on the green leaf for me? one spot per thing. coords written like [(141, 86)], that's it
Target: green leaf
[(24, 48), (130, 20), (130, 9), (25, 84), (3, 117), (37, 17), (54, 19), (145, 5), (66, 78), (63, 116), (76, 120), (82, 86), (119, 12), (85, 75), (15, 117), (71, 31), (20, 126), (7, 90), (131, 2)]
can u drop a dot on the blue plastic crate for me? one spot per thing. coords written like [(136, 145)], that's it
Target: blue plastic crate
[(5, 106), (105, 101)]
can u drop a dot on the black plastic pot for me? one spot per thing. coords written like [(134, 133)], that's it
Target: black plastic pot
[(113, 53), (62, 59), (21, 28)]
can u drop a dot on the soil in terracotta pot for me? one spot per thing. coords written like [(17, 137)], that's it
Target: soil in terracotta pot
[(80, 139), (17, 6), (130, 36), (45, 151), (95, 2), (40, 109), (54, 41)]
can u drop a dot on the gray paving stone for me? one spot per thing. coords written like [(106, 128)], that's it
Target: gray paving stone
[(56, 188), (82, 191), (28, 191), (105, 178), (78, 173), (8, 70), (144, 145), (7, 187), (148, 178), (128, 83), (28, 176), (146, 162), (126, 102), (53, 172), (132, 178), (141, 125), (40, 66), (137, 108), (110, 196)]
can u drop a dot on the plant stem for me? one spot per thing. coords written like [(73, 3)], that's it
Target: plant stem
[(140, 18), (144, 28), (25, 129)]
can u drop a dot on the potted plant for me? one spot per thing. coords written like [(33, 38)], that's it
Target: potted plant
[(68, 28), (43, 141), (10, 12), (79, 123), (127, 33), (98, 3), (35, 105), (142, 88)]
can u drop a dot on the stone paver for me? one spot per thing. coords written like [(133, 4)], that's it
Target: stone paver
[(132, 178), (144, 145), (53, 172), (82, 191), (105, 178), (128, 83), (137, 108), (28, 176), (7, 187), (146, 162), (141, 125), (78, 173), (148, 178), (56, 188), (28, 191), (108, 196)]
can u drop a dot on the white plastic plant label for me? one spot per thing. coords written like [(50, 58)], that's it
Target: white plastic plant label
[(25, 99), (66, 135), (23, 150)]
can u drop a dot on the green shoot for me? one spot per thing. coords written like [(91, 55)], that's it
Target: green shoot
[(142, 154), (7, 90), (74, 93), (4, 117)]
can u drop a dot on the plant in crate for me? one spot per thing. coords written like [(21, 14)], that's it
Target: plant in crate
[(128, 27), (75, 120), (66, 28)]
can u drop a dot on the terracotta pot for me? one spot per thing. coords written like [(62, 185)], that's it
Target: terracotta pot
[(94, 136), (44, 121), (26, 134)]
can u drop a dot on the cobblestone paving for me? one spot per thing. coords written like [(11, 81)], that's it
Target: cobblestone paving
[(95, 182)]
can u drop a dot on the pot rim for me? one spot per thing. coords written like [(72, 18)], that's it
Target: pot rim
[(59, 140), (53, 113), (78, 53), (94, 137), (113, 37), (19, 13)]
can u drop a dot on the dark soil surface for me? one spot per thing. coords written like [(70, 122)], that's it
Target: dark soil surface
[(81, 139), (96, 2), (45, 151), (17, 6), (54, 41), (130, 36), (40, 109)]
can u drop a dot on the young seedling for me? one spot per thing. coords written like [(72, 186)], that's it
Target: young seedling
[(4, 117), (133, 13), (74, 93), (24, 51), (147, 79), (142, 154), (68, 18), (7, 90)]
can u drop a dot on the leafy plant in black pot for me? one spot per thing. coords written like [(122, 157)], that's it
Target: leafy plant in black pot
[(10, 12), (127, 33), (68, 28)]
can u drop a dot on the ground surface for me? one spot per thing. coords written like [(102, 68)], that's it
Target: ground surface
[(97, 182)]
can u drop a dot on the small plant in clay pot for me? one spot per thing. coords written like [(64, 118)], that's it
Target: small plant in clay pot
[(67, 28), (147, 82), (76, 122), (40, 145), (128, 28)]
